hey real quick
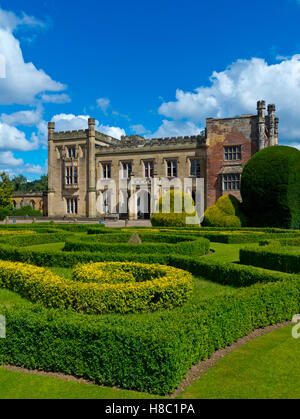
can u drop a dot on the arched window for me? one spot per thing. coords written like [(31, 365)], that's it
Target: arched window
[(14, 204), (32, 204)]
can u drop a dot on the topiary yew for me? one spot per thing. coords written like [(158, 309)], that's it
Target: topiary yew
[(270, 188), (226, 213), (175, 209)]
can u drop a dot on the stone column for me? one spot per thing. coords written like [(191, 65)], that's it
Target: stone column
[(271, 113), (51, 169), (261, 108), (91, 169), (132, 203)]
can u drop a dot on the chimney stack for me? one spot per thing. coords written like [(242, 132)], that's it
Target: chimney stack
[(261, 112)]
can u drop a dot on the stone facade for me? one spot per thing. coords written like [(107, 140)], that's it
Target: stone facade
[(81, 163), (36, 200)]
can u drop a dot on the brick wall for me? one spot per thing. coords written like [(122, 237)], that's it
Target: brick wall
[(227, 132)]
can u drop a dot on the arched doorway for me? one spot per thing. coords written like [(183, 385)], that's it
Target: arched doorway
[(143, 203)]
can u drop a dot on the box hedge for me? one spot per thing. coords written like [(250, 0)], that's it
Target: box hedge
[(284, 259), (139, 352)]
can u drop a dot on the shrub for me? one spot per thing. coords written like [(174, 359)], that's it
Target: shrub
[(142, 352), (270, 188), (174, 210), (226, 213), (183, 245), (4, 212), (26, 211), (166, 287), (283, 259)]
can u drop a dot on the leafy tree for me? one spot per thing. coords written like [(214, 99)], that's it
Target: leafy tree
[(40, 185), (19, 184), (6, 190)]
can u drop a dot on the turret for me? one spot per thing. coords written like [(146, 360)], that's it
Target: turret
[(91, 169), (271, 124), (51, 166), (261, 112)]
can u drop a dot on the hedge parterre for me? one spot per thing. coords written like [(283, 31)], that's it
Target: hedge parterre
[(144, 351), (274, 256), (151, 287)]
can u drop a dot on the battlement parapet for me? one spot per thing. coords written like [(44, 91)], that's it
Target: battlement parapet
[(138, 141), (70, 135), (137, 144)]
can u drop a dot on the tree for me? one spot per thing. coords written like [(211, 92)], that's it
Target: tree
[(270, 188), (19, 184), (40, 185), (6, 190)]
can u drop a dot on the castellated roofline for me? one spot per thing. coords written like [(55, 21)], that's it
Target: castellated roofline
[(70, 134), (78, 134)]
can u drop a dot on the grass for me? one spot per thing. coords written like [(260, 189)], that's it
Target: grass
[(48, 246), (227, 252), (265, 368), (19, 385)]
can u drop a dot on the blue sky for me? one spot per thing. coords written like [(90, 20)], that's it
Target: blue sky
[(156, 68)]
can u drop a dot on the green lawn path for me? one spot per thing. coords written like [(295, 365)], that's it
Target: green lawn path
[(265, 368), (19, 385)]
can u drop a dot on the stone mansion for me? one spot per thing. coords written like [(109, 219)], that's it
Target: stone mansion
[(79, 159)]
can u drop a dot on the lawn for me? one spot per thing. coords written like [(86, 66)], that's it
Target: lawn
[(265, 368), (18, 385), (227, 252)]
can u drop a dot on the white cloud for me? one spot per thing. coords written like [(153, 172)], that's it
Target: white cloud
[(103, 104), (176, 129), (23, 81), (7, 159), (13, 139), (236, 90), (25, 118), (34, 169), (114, 132), (70, 122), (58, 99), (14, 167), (9, 21), (139, 129)]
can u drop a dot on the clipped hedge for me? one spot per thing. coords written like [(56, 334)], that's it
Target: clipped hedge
[(270, 188), (193, 247), (284, 259), (164, 287), (151, 354), (175, 209), (34, 239), (235, 275), (227, 212)]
